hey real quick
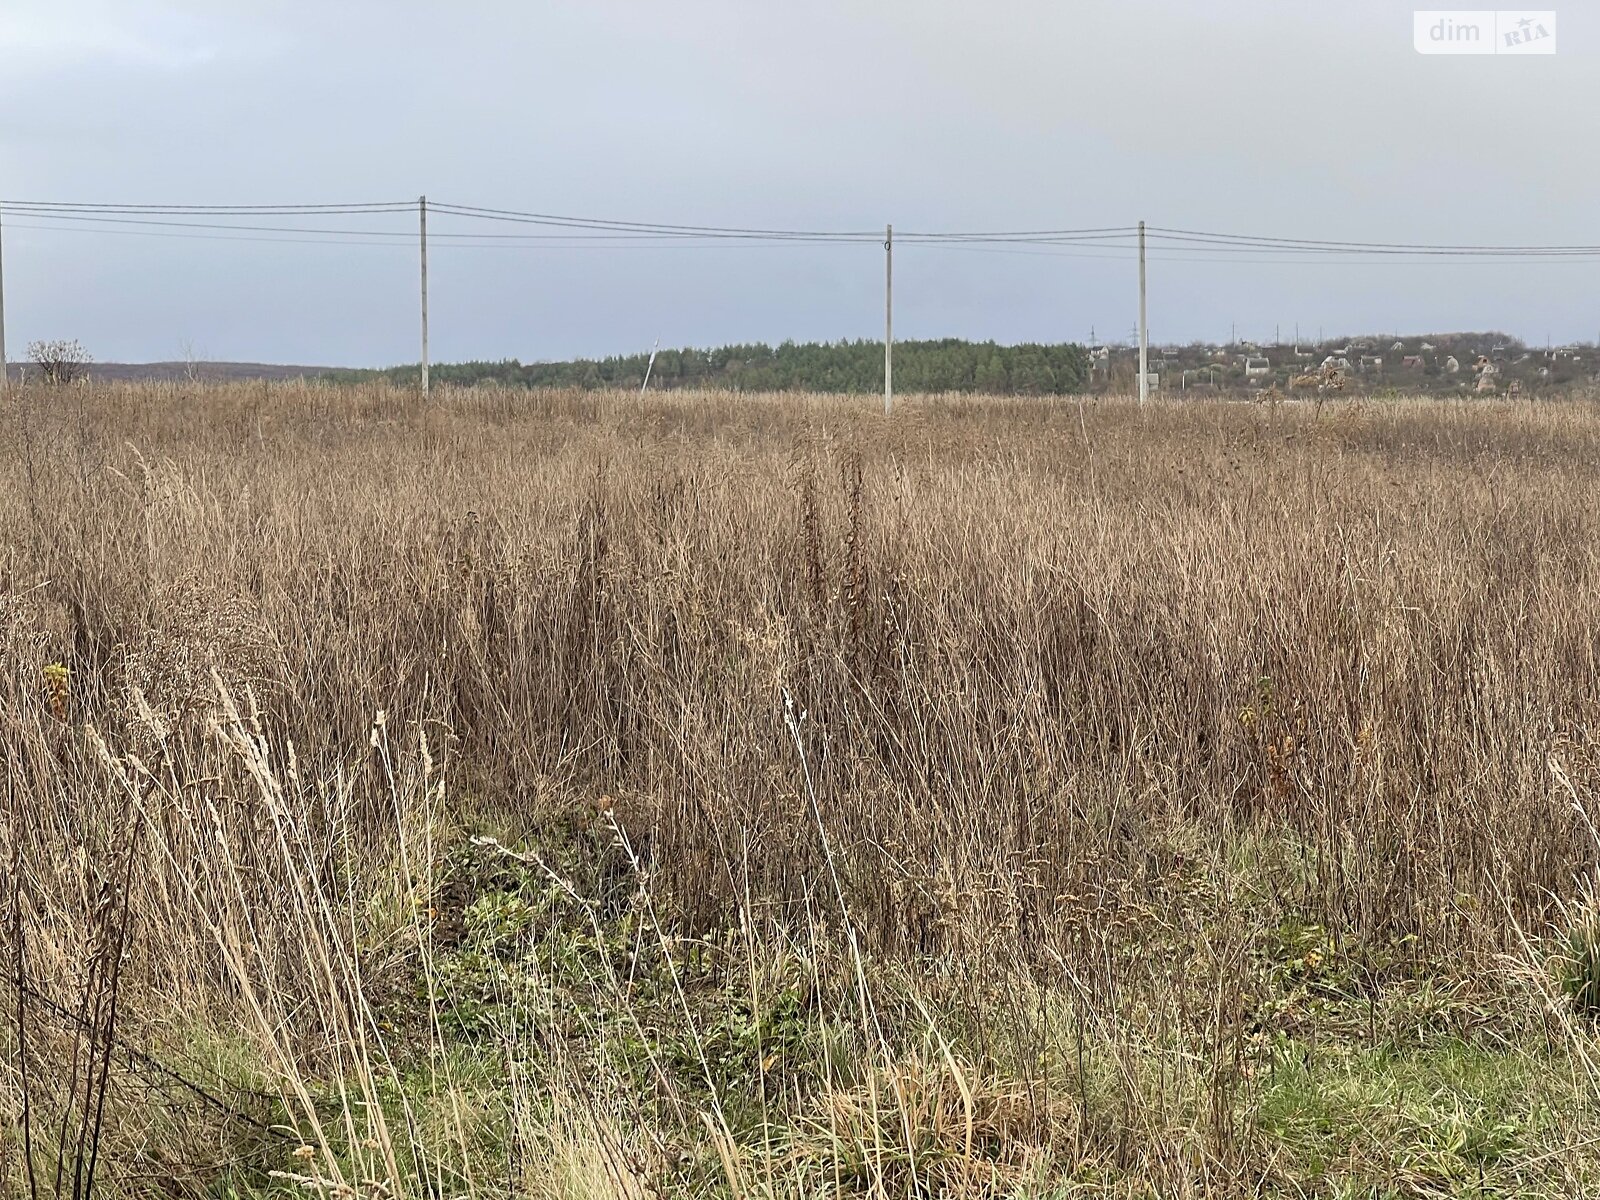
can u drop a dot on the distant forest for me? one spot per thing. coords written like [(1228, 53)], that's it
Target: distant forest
[(947, 365)]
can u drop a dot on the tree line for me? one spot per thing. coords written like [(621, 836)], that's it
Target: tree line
[(943, 365)]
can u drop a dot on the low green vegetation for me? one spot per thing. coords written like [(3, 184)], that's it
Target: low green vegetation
[(540, 1023)]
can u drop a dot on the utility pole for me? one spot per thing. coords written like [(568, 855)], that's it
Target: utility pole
[(422, 213), (649, 366), (5, 370), (888, 319), (1144, 329)]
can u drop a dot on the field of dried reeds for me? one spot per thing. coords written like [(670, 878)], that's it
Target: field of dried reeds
[(567, 795)]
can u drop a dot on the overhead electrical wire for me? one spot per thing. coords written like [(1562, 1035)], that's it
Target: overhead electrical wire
[(408, 242), (572, 231), (599, 233), (142, 221), (640, 228), (224, 222), (1244, 242), (217, 237), (1195, 255), (211, 209), (1026, 235), (401, 238), (726, 231)]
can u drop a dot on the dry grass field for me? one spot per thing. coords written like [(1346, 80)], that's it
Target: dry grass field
[(569, 796)]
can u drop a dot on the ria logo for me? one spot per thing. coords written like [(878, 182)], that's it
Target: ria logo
[(1527, 32), (1484, 31)]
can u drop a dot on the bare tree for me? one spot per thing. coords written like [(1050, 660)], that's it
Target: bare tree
[(60, 360), (192, 363)]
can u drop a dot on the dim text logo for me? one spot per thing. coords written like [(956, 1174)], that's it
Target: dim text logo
[(1483, 31)]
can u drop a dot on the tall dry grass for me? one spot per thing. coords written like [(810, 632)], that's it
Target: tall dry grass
[(1041, 758)]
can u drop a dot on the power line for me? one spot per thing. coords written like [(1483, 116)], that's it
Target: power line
[(205, 237), (394, 233), (1181, 254), (1040, 235), (1255, 242), (658, 228), (406, 236), (561, 233), (597, 232), (721, 231), (457, 241), (1324, 242), (1179, 250), (134, 213), (593, 233), (208, 209), (200, 237)]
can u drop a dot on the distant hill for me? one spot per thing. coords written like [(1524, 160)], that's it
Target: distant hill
[(1432, 362)]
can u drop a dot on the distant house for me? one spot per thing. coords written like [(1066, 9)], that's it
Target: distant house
[(1256, 368), (1337, 360), (1412, 360), (1398, 347), (1428, 347)]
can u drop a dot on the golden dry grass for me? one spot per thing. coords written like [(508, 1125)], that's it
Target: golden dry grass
[(1011, 798)]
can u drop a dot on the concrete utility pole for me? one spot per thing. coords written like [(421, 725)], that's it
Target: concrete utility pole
[(648, 367), (5, 371), (888, 319), (422, 213), (1144, 329)]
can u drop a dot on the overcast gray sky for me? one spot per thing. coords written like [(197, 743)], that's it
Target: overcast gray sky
[(1305, 119)]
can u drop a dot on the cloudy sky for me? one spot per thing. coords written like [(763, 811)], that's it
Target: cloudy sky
[(1310, 119)]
